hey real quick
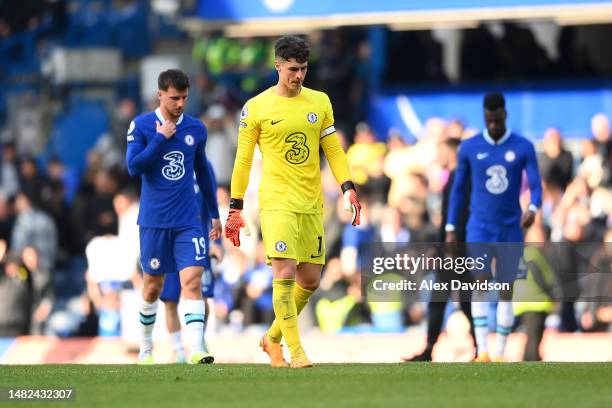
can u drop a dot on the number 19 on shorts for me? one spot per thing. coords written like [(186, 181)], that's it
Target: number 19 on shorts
[(200, 248)]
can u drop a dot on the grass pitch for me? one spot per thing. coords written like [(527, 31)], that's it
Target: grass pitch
[(326, 385)]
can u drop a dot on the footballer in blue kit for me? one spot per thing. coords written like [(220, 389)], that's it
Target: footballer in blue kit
[(171, 292), (493, 162), (165, 148)]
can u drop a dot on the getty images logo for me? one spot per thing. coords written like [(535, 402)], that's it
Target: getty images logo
[(278, 6)]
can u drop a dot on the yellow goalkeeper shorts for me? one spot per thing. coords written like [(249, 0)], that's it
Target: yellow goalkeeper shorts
[(293, 235)]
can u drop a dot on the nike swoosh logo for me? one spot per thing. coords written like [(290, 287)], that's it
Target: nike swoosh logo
[(288, 317), (481, 156), (315, 256), (274, 122), (199, 258)]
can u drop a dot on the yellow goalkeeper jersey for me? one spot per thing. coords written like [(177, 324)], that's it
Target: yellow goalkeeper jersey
[(288, 131)]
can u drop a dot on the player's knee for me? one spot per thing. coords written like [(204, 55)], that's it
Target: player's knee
[(191, 285), (151, 291), (312, 284), (285, 272)]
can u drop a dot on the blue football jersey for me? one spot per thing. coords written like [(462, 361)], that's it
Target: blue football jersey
[(495, 171), (167, 167)]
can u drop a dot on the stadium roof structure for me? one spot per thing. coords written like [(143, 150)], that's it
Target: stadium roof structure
[(240, 18)]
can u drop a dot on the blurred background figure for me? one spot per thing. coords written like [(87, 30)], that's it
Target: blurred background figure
[(533, 296)]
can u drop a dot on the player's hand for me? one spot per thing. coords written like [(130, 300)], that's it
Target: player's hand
[(215, 232), (351, 202), (235, 221), (168, 129), (527, 219), (233, 225), (451, 237)]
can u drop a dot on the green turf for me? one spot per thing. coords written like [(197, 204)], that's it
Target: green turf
[(327, 385)]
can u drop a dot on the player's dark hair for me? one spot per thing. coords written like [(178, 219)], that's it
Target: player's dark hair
[(494, 101), (291, 46), (173, 78)]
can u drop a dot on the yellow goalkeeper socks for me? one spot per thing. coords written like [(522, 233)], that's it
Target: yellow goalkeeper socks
[(301, 296), (285, 311)]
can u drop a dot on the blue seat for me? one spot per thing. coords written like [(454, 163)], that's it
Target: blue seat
[(76, 131)]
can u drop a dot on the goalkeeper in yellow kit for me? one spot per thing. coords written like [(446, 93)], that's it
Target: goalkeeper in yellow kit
[(289, 122)]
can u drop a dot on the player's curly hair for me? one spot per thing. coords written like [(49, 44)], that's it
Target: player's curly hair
[(291, 46), (493, 101), (173, 78)]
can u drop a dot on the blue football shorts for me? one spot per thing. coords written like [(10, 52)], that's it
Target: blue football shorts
[(169, 250), (504, 243)]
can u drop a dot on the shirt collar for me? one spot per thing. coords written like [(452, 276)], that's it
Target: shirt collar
[(161, 117), (489, 139)]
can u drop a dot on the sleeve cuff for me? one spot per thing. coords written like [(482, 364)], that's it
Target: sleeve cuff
[(449, 228), (533, 208)]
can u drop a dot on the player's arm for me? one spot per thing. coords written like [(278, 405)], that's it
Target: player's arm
[(140, 154), (535, 187), (248, 134), (457, 195), (208, 189), (330, 143), (336, 157)]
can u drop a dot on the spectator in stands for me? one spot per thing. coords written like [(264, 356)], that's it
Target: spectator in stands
[(596, 313), (336, 299), (31, 180), (34, 228), (533, 296), (43, 293), (17, 294), (455, 129), (365, 151), (591, 168), (7, 219), (600, 126), (107, 275), (376, 189), (94, 212), (9, 178), (556, 163), (123, 114), (221, 144), (58, 208)]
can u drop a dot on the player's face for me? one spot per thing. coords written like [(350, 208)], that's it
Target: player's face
[(495, 121), (173, 101), (291, 73)]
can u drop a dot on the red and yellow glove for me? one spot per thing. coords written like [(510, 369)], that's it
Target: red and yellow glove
[(351, 202), (235, 221)]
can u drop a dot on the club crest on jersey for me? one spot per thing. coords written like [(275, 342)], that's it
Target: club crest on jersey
[(312, 117), (244, 113), (154, 264), (510, 156), (280, 246), (189, 140)]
